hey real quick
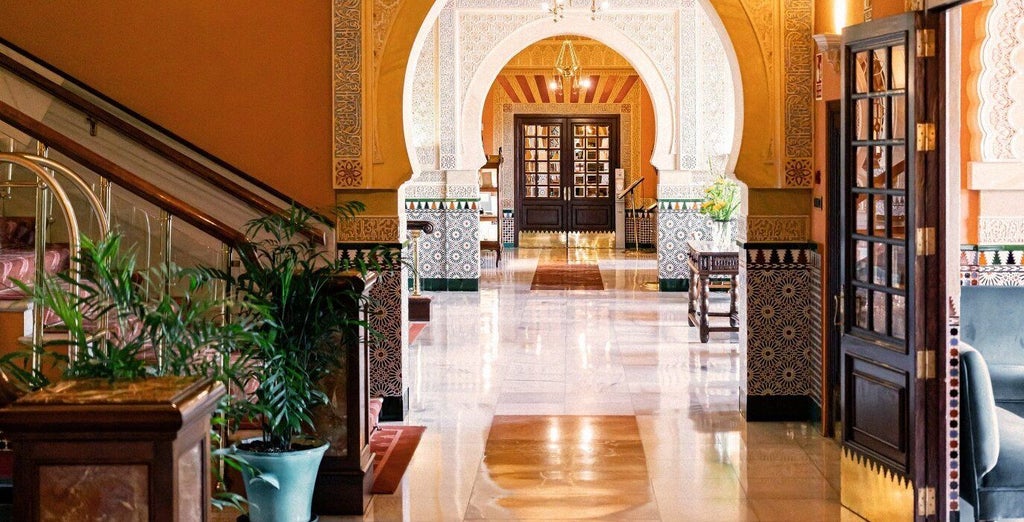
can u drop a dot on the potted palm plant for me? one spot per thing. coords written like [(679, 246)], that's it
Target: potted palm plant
[(131, 364), (294, 291)]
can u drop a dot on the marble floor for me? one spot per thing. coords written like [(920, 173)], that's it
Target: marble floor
[(593, 405)]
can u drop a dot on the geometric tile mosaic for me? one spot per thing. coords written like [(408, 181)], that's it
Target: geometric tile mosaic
[(452, 251), (781, 311), (675, 228), (992, 265)]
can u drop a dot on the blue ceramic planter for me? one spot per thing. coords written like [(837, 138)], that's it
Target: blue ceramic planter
[(283, 491)]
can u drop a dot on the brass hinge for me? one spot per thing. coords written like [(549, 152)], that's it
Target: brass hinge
[(925, 43), (926, 364), (926, 502), (925, 238), (925, 137)]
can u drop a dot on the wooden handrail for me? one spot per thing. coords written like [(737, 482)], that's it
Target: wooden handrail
[(121, 176), (151, 143)]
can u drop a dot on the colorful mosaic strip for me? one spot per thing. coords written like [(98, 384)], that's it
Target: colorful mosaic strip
[(992, 265), (952, 416)]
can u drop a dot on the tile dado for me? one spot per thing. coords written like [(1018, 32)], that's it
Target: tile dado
[(780, 333), (992, 265), (679, 221), (450, 256), (386, 313)]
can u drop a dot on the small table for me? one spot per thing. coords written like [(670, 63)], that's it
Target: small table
[(712, 259)]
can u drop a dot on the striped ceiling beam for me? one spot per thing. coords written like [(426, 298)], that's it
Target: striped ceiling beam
[(534, 88)]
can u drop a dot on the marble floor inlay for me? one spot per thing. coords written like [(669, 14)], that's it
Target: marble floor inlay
[(515, 385)]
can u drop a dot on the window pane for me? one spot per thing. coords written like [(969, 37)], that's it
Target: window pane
[(861, 71), (898, 108), (899, 267), (860, 307), (862, 214), (899, 317), (899, 167), (899, 217), (881, 277), (880, 313), (879, 167), (899, 67), (861, 261), (880, 70), (880, 212), (861, 119), (879, 119), (862, 166)]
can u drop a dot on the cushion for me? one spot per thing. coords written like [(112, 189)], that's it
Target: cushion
[(1008, 386), (1001, 491), (990, 321), (981, 410), (17, 232)]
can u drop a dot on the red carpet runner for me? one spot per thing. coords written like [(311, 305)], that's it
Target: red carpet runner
[(392, 448), (567, 277)]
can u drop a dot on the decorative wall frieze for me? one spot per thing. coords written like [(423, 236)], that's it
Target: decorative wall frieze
[(384, 12), (777, 228), (347, 73), (369, 229), (798, 95), (1001, 265), (1002, 100), (1000, 230), (782, 258)]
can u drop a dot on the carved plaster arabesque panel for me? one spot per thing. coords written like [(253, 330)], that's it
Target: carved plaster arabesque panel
[(799, 96), (447, 83), (369, 229), (348, 95), (777, 228), (1002, 82), (688, 109), (1000, 230), (424, 104)]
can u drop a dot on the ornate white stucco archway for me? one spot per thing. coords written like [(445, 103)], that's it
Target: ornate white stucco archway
[(472, 151), (666, 41)]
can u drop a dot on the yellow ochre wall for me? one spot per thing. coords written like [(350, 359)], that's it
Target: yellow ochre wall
[(249, 82)]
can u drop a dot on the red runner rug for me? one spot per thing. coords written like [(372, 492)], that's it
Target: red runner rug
[(567, 277), (392, 448)]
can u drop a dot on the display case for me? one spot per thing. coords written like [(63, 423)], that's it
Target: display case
[(490, 207)]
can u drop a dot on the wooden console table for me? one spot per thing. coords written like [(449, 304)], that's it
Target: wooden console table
[(712, 259)]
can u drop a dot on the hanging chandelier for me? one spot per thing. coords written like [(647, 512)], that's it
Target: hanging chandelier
[(568, 71), (557, 8)]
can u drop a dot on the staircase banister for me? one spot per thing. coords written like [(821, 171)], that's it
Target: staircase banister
[(150, 142), (121, 176)]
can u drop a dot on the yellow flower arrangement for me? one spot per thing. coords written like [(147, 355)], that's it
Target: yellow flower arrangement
[(721, 199)]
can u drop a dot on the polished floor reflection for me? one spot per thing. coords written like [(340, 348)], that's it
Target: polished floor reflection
[(593, 404)]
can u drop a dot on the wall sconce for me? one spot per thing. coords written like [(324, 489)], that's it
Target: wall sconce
[(828, 44)]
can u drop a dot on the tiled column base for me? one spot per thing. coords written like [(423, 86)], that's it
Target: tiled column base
[(779, 332), (678, 222)]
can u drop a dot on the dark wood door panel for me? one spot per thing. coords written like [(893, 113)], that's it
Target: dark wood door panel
[(592, 218), (877, 406), (543, 217)]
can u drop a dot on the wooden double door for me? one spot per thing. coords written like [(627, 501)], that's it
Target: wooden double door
[(565, 172)]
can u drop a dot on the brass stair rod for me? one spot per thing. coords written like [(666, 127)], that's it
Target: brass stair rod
[(167, 226), (47, 190)]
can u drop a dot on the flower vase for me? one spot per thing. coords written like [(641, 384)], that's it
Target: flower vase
[(721, 232)]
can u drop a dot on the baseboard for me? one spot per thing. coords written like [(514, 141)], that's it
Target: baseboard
[(674, 285), (780, 408), (450, 285), (395, 408)]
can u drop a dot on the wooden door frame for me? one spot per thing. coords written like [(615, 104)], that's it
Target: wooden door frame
[(518, 193), (831, 396)]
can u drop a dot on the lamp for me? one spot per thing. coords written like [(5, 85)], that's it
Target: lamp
[(568, 70), (829, 44), (557, 9)]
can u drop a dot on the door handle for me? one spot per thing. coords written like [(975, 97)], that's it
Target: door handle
[(840, 302)]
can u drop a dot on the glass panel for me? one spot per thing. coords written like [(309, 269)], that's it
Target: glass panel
[(530, 167), (899, 317), (860, 119), (862, 214), (542, 155), (862, 166), (860, 308), (531, 143), (531, 192), (861, 71), (881, 277), (881, 211), (542, 192), (879, 312), (898, 108), (542, 167), (554, 167), (603, 192), (554, 192), (899, 217), (899, 267), (899, 67), (879, 119), (531, 130), (578, 167), (861, 261), (899, 168), (542, 131), (880, 70), (556, 130), (602, 130), (879, 167), (556, 179)]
